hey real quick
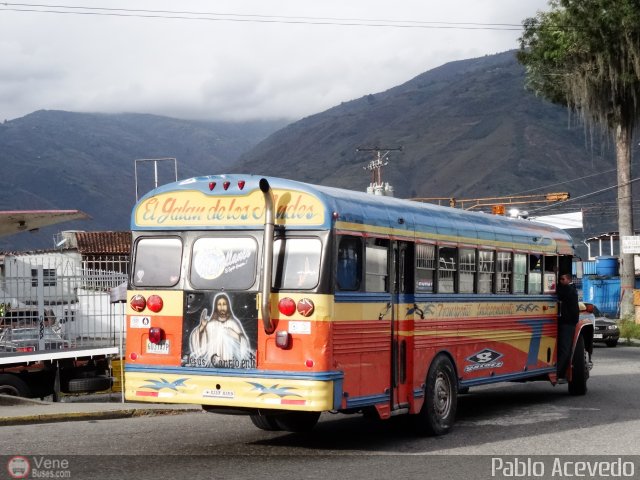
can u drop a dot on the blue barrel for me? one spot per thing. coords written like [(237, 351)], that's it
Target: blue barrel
[(604, 293), (607, 266)]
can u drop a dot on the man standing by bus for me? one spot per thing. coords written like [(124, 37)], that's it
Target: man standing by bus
[(567, 320)]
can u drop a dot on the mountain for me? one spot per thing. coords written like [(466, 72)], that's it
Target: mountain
[(64, 160), (467, 129)]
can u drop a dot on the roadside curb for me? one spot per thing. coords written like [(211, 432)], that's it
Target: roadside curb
[(30, 419), (11, 401), (27, 411)]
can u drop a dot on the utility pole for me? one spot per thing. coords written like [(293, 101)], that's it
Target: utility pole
[(377, 187)]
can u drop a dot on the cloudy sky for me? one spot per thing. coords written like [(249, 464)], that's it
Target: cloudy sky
[(235, 59)]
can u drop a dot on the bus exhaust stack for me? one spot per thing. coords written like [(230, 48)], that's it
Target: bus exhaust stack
[(267, 258)]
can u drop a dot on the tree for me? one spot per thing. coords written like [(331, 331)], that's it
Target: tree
[(585, 54)]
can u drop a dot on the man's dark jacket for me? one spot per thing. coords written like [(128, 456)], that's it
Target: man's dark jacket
[(569, 309)]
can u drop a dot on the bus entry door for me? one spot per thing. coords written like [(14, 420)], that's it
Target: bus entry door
[(401, 323)]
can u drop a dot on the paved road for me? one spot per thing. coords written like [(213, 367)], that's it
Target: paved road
[(511, 420)]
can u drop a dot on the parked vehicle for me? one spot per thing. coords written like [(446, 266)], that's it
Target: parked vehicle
[(59, 331), (606, 330), (27, 339)]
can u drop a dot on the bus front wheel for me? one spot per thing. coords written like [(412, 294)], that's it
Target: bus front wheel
[(438, 411), (580, 369)]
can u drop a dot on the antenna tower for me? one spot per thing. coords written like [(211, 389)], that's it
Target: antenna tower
[(377, 187)]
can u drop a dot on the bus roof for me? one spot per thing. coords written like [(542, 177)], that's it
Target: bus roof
[(235, 201)]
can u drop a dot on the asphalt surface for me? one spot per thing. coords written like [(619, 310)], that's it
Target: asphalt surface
[(22, 411)]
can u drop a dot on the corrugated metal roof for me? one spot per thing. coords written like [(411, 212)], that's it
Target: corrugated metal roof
[(102, 243)]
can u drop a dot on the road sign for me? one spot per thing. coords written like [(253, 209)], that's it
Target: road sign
[(630, 244)]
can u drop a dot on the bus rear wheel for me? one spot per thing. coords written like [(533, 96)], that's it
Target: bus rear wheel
[(265, 422), (297, 421), (579, 369), (441, 398)]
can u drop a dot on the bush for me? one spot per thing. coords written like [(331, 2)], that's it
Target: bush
[(629, 329)]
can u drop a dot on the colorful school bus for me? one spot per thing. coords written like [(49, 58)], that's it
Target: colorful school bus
[(282, 300)]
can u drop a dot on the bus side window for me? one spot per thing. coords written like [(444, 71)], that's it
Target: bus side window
[(486, 266), (519, 273), (447, 268), (550, 273), (348, 275), (377, 265), (535, 275), (425, 267), (503, 269), (467, 270)]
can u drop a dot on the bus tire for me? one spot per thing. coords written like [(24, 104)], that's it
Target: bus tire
[(297, 422), (579, 369), (438, 411), (265, 422), (13, 386)]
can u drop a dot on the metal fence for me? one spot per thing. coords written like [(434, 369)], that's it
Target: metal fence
[(61, 295)]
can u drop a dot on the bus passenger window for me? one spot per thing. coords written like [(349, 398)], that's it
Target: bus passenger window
[(348, 274), (503, 265), (446, 269), (425, 266), (157, 262), (467, 270), (485, 273), (376, 266), (535, 274), (519, 272)]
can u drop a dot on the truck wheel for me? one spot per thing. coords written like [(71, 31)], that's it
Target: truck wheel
[(438, 411), (579, 369), (89, 384), (14, 386)]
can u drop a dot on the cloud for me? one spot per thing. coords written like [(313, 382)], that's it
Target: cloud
[(236, 70)]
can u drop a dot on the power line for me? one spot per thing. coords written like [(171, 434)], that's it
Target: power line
[(546, 187), (597, 192), (252, 18)]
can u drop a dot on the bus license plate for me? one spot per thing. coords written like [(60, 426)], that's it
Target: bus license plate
[(597, 335), (162, 348)]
